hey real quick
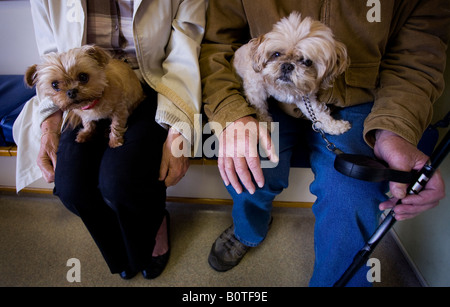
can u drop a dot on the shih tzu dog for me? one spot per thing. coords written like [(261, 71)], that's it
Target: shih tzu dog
[(291, 63), (90, 84)]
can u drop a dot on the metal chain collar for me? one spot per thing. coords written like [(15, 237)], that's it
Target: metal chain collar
[(316, 126)]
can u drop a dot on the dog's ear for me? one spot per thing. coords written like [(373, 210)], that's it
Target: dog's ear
[(30, 77), (99, 54), (339, 66), (257, 50)]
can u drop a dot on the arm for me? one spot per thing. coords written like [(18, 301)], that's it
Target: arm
[(180, 84), (49, 116), (46, 160), (226, 31), (411, 79), (42, 27), (180, 87), (411, 71)]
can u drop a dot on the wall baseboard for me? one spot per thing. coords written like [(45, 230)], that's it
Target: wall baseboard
[(174, 199)]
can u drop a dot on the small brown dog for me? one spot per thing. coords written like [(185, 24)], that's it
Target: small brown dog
[(92, 85)]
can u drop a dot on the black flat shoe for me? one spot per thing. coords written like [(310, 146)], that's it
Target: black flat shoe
[(127, 274), (158, 263), (157, 266)]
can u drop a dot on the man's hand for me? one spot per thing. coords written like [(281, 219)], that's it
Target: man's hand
[(173, 167), (402, 155), (238, 154), (46, 160)]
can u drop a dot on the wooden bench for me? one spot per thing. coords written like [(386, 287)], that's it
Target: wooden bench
[(9, 151), (222, 199)]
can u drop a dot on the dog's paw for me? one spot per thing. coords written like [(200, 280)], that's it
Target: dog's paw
[(265, 118), (115, 142), (337, 127), (82, 137)]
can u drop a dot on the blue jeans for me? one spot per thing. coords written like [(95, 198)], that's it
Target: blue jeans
[(346, 209)]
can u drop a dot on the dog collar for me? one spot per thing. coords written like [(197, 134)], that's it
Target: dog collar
[(92, 105)]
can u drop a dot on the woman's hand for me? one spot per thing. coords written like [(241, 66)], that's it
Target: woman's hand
[(50, 131), (173, 165)]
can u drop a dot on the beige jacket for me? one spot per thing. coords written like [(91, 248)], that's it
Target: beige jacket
[(397, 51)]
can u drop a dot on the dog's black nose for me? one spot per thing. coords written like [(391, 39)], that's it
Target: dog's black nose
[(72, 94), (287, 67)]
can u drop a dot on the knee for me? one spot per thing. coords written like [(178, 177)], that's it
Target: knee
[(277, 178), (126, 190), (76, 196), (343, 201), (114, 189)]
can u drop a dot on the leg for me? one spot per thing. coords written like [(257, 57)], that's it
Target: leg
[(130, 186), (118, 128), (252, 213), (346, 209), (86, 133), (76, 184)]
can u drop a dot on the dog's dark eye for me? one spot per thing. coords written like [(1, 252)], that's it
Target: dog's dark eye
[(55, 85), (307, 62), (276, 54), (83, 77)]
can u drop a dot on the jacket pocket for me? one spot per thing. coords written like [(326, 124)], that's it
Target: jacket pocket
[(357, 86), (364, 75)]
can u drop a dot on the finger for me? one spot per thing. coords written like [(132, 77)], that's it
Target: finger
[(254, 164), (47, 170), (406, 211), (388, 204), (403, 216), (49, 176), (403, 212), (221, 160), (223, 173), (433, 192), (268, 146), (172, 179), (398, 190), (177, 171), (230, 171), (424, 197), (163, 169), (53, 159), (242, 170)]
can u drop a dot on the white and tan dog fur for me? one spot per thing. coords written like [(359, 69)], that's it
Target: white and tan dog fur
[(292, 63)]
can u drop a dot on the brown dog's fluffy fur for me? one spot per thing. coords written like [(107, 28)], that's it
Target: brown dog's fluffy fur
[(91, 85)]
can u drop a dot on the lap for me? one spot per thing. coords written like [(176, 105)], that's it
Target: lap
[(91, 162), (296, 137)]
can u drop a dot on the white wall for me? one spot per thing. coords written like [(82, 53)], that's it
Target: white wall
[(426, 238), (19, 48)]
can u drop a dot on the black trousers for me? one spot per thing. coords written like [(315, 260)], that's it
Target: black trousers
[(116, 191)]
